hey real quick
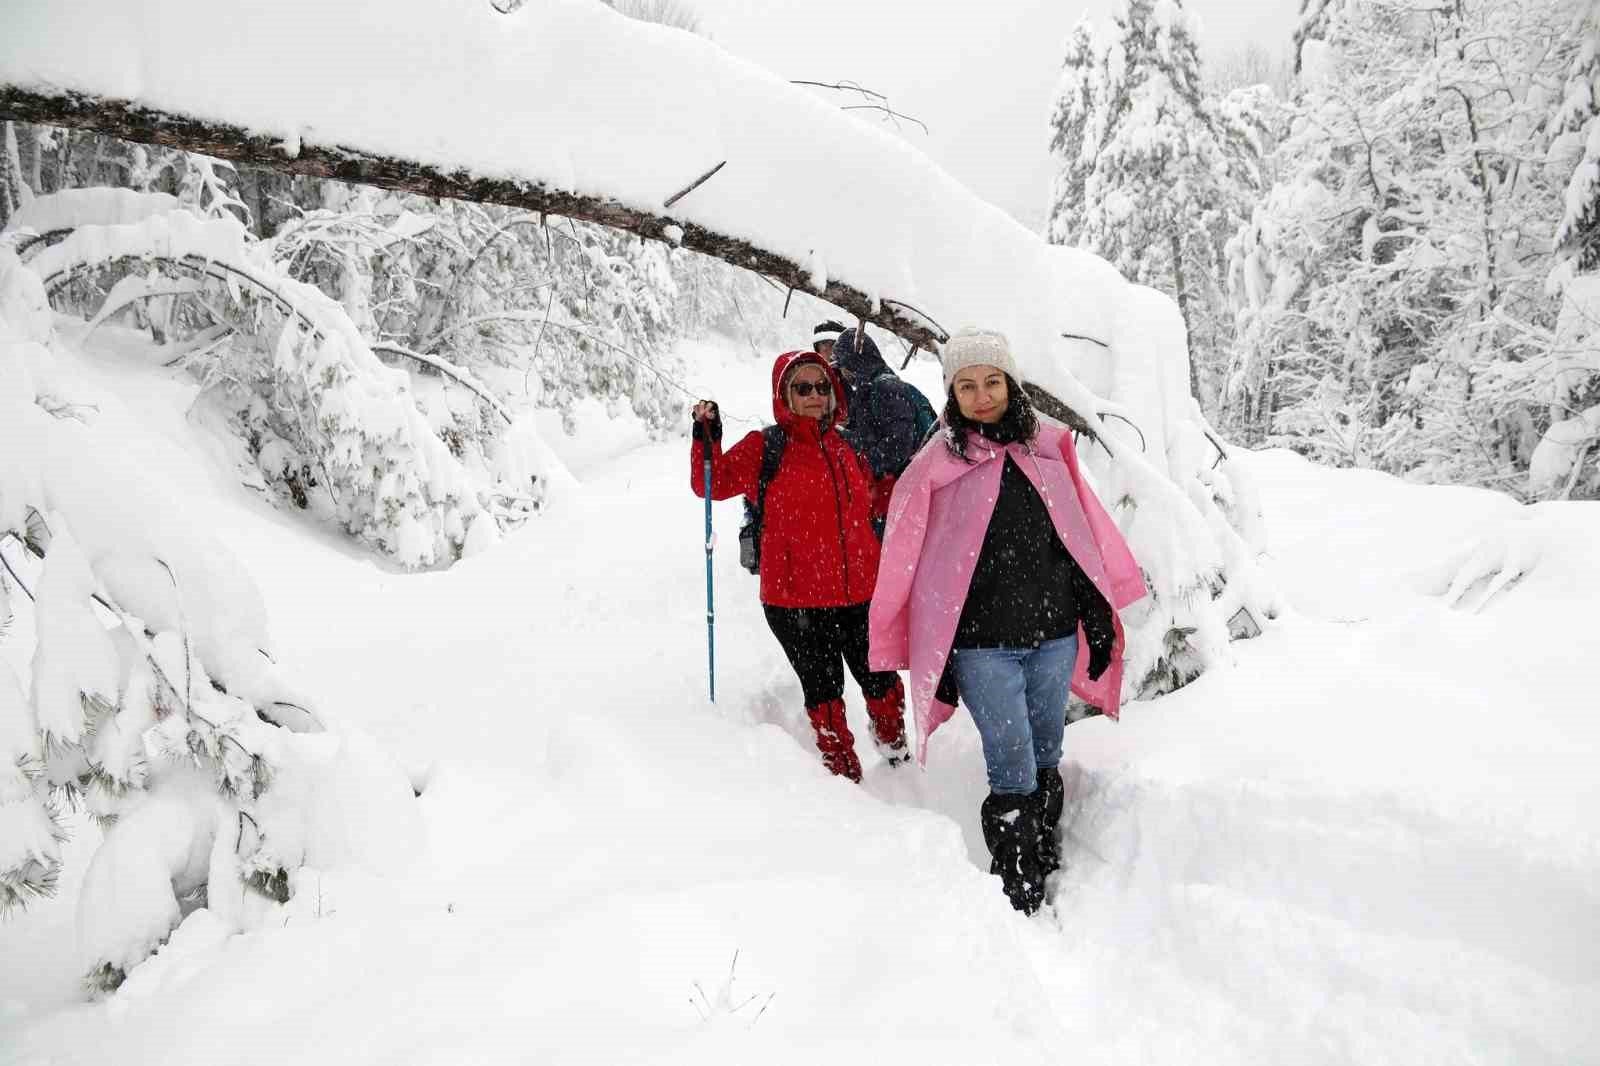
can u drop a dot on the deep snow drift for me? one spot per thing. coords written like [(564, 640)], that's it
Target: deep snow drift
[(1372, 839)]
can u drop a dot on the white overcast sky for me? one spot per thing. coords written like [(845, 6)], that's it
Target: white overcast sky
[(982, 75)]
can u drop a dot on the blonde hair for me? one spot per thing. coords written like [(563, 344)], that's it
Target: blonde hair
[(788, 376)]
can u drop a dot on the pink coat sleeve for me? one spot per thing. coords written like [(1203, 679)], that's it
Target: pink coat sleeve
[(889, 617), (1122, 570)]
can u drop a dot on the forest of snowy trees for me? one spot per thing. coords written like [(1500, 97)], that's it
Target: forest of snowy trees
[(1388, 260), (1393, 264)]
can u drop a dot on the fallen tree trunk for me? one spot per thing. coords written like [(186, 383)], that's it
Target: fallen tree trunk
[(134, 122)]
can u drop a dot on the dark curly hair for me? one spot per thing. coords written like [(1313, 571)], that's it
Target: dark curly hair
[(1019, 424)]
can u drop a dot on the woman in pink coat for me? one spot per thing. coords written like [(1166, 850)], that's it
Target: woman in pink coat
[(1001, 577)]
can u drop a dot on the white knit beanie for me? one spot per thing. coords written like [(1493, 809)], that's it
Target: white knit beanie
[(977, 347), (827, 331)]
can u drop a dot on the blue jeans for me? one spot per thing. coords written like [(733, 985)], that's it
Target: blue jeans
[(1018, 699)]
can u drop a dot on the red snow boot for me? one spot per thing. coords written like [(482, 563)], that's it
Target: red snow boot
[(838, 747), (888, 713)]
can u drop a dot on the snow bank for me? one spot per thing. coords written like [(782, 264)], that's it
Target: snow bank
[(1370, 840), (153, 700)]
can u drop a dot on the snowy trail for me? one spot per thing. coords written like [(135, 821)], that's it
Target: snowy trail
[(1372, 841)]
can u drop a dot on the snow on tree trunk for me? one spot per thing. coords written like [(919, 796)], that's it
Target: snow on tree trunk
[(14, 191)]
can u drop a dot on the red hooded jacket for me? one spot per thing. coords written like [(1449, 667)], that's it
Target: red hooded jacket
[(817, 544)]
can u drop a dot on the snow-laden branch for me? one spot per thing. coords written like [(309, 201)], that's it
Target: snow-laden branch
[(134, 122), (464, 377)]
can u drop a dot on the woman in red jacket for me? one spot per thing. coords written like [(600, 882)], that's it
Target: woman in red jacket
[(819, 557)]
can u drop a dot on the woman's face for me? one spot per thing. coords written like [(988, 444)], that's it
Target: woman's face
[(809, 392), (981, 393)]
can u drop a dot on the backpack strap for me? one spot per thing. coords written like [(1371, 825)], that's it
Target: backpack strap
[(773, 441)]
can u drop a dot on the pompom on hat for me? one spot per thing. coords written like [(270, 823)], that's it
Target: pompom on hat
[(977, 347)]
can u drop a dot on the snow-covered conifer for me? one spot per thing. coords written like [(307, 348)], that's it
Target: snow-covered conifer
[(1577, 136), (1077, 94), (1162, 194)]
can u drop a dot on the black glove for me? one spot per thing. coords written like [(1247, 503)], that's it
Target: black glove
[(710, 429), (1099, 660), (1099, 624)]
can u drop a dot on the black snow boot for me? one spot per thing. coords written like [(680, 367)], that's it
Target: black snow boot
[(1011, 829), (1048, 797)]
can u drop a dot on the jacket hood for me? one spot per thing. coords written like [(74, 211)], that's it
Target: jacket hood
[(862, 365), (790, 360)]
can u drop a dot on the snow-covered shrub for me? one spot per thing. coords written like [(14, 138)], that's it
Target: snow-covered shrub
[(149, 698), (545, 309), (330, 425), (1189, 512)]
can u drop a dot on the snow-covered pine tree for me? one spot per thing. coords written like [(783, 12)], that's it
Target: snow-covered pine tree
[(1158, 202), (1310, 25), (14, 190), (1566, 462), (1072, 152), (1576, 130)]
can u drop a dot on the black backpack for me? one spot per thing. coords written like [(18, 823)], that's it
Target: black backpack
[(927, 417), (773, 440)]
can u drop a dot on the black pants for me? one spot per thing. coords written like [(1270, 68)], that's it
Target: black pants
[(816, 638)]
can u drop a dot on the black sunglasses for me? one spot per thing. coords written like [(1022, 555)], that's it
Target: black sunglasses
[(805, 388)]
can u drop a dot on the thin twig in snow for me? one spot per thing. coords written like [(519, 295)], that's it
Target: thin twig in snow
[(944, 334), (693, 185), (1143, 446), (183, 635), (539, 340), (888, 112), (876, 101)]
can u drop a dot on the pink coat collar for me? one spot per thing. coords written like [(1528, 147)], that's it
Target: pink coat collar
[(937, 521)]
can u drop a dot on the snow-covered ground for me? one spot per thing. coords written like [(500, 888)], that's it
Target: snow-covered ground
[(1375, 839)]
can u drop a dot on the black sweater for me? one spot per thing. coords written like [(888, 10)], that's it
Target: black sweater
[(1026, 587)]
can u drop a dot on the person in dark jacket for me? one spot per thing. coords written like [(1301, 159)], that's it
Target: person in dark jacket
[(883, 411), (819, 556)]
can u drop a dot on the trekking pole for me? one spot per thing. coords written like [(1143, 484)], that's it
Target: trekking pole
[(711, 612)]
